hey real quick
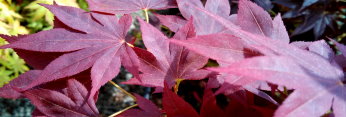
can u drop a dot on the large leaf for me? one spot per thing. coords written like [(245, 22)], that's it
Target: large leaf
[(97, 42)]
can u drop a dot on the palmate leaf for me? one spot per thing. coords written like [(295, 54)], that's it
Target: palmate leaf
[(167, 62), (73, 102), (60, 98), (95, 41), (128, 6), (315, 72)]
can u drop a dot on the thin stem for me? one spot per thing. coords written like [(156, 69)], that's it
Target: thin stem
[(146, 15), (129, 44), (119, 112), (176, 86), (123, 90)]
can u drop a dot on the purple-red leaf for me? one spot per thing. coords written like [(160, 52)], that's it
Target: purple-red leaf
[(221, 47), (97, 41), (73, 103), (10, 90), (171, 62), (279, 30), (254, 19), (318, 91), (323, 49), (128, 6), (314, 69), (174, 23), (203, 24)]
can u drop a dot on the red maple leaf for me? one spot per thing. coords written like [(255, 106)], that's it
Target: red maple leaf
[(73, 101), (96, 42)]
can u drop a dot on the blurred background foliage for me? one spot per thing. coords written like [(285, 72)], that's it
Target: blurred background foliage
[(305, 20), (309, 20), (23, 17)]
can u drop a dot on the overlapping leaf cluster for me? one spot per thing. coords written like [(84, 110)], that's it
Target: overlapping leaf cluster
[(85, 50)]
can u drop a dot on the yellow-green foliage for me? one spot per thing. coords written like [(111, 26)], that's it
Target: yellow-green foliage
[(40, 18), (10, 64), (36, 17), (10, 20)]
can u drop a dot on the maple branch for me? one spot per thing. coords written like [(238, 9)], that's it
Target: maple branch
[(123, 90), (119, 112), (146, 15)]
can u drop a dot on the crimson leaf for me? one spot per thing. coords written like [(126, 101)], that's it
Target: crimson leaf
[(175, 106)]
